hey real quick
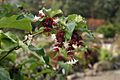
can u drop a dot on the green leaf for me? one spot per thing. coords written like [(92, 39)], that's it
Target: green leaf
[(8, 40), (64, 52), (75, 17), (39, 51), (82, 27), (4, 75), (29, 16), (79, 18), (9, 36), (71, 27), (18, 76), (23, 45), (55, 12), (71, 17), (41, 29), (7, 44), (51, 12), (65, 66), (3, 51), (29, 60), (11, 22), (47, 71), (20, 17), (67, 36), (12, 56), (46, 58), (12, 37)]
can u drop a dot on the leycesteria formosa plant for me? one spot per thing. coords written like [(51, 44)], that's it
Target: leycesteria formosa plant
[(67, 32)]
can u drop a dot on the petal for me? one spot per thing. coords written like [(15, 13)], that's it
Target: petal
[(41, 12), (36, 18)]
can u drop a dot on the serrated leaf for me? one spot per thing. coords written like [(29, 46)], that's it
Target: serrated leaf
[(11, 22)]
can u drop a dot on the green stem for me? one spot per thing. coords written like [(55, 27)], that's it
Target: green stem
[(37, 33), (9, 52)]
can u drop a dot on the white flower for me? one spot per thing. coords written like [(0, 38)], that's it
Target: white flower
[(56, 20), (66, 44), (41, 13), (53, 36), (63, 71), (72, 61), (75, 46), (78, 18), (36, 18)]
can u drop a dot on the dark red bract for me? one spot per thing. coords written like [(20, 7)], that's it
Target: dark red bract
[(54, 23), (56, 49), (46, 29), (59, 45), (70, 53), (80, 44), (76, 39), (48, 22), (60, 36), (70, 48)]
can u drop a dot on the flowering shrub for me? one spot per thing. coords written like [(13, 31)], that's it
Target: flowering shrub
[(68, 39)]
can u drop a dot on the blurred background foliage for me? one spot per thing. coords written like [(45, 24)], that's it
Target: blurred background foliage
[(102, 16), (104, 12)]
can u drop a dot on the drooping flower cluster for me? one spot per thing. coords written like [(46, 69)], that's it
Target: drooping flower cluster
[(75, 39), (48, 22), (51, 23), (60, 42), (60, 36)]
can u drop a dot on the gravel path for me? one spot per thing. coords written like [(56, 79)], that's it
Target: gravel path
[(108, 75)]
